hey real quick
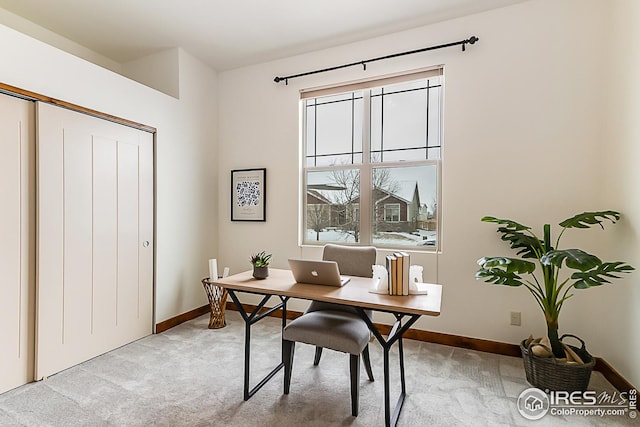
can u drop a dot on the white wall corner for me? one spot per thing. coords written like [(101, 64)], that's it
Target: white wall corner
[(160, 71)]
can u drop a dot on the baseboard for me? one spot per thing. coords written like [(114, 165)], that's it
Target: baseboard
[(487, 346), (613, 376), (184, 317)]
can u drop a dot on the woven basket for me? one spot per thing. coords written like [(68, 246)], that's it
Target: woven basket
[(217, 303), (546, 373)]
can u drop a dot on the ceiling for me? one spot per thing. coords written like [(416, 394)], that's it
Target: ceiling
[(228, 34)]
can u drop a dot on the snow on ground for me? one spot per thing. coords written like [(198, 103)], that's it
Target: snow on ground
[(388, 238)]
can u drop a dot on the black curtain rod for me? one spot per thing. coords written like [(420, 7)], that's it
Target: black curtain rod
[(470, 40)]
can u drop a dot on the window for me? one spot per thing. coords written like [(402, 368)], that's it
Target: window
[(371, 161), (392, 212)]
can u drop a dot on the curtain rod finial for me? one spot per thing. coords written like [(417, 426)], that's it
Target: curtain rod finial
[(473, 39), (278, 79)]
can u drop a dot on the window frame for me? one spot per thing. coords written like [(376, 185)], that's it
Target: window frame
[(366, 167)]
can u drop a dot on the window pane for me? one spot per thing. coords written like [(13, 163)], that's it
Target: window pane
[(334, 129), (399, 87), (434, 118), (405, 119), (405, 206), (332, 206), (310, 130), (376, 128)]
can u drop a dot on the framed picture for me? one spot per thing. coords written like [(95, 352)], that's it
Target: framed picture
[(248, 194)]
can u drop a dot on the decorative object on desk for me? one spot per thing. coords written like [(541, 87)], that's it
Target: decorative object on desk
[(415, 274), (380, 273), (213, 269), (248, 194), (551, 291), (260, 262), (217, 302), (416, 285), (398, 273)]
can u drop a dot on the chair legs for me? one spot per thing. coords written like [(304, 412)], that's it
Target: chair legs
[(367, 362), (354, 365), (316, 359), (288, 348)]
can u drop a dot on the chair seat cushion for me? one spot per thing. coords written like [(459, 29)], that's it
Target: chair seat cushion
[(337, 330)]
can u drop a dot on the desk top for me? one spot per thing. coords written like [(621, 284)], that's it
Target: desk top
[(355, 292)]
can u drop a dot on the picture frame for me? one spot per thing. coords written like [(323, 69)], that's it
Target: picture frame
[(248, 194)]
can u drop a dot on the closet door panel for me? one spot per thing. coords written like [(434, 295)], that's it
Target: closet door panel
[(77, 240), (95, 287), (128, 234), (17, 242), (105, 237)]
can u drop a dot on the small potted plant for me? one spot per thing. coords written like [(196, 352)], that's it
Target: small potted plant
[(260, 262), (553, 366)]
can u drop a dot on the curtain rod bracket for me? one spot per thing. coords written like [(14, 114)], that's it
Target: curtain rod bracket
[(470, 40)]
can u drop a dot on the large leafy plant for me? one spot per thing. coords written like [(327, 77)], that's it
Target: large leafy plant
[(547, 287)]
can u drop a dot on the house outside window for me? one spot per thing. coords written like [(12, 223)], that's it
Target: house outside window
[(372, 161)]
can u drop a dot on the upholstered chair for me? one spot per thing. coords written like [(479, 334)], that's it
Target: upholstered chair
[(335, 326)]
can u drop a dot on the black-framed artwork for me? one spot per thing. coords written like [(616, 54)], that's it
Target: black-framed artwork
[(248, 194)]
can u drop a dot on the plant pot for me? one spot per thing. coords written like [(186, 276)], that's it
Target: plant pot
[(547, 373), (260, 272)]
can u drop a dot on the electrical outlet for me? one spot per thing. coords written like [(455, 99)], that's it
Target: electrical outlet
[(516, 318)]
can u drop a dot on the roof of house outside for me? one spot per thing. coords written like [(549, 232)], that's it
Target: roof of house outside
[(404, 191)]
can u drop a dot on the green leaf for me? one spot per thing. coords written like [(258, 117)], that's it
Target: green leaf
[(527, 245), (587, 219), (503, 270), (499, 277), (511, 225), (573, 258), (510, 265), (599, 275)]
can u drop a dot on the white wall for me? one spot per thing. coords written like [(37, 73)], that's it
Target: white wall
[(186, 172), (524, 119), (160, 71), (617, 311)]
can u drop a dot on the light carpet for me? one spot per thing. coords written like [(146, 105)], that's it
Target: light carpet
[(192, 376)]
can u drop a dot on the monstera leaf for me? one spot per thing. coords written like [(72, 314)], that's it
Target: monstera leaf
[(587, 219), (573, 258), (527, 245), (503, 270), (599, 275), (511, 225)]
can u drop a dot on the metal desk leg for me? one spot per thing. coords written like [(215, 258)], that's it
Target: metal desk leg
[(250, 319), (397, 331)]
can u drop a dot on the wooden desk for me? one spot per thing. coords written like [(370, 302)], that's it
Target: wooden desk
[(356, 293)]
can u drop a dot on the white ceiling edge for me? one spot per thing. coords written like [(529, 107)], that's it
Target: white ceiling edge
[(46, 36)]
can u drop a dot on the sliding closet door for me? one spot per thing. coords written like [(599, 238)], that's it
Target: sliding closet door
[(17, 241), (95, 237)]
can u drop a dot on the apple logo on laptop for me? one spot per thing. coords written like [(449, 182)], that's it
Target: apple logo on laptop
[(314, 273)]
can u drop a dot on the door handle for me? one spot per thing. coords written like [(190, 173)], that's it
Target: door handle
[(145, 244)]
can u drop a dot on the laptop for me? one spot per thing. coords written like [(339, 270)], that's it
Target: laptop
[(317, 272)]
